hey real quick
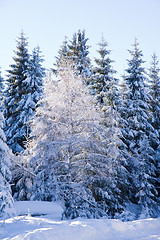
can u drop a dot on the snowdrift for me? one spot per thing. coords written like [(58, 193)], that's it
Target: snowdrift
[(47, 225)]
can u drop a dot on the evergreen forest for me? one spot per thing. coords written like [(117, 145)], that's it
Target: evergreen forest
[(78, 135)]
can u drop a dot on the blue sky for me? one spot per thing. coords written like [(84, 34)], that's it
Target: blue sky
[(47, 22)]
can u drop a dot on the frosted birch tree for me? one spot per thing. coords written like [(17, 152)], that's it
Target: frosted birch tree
[(70, 150)]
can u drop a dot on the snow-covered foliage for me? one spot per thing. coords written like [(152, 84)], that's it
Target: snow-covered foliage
[(6, 201), (1, 92), (93, 145), (72, 152), (24, 89), (14, 125), (32, 92), (22, 177), (63, 54), (105, 88), (154, 90), (102, 82), (76, 51), (35, 74), (139, 136)]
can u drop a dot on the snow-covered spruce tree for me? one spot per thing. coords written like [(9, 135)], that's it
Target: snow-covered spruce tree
[(154, 91), (6, 201), (63, 53), (78, 53), (32, 87), (71, 151), (123, 89), (104, 86), (1, 92), (22, 179), (139, 136), (24, 90), (102, 81), (14, 92), (1, 80)]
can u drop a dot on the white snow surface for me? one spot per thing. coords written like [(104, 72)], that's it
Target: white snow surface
[(49, 226)]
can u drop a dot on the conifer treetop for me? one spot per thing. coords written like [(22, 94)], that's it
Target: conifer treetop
[(135, 63), (154, 77)]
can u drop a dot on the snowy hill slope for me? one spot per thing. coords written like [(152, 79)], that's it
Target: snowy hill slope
[(50, 227)]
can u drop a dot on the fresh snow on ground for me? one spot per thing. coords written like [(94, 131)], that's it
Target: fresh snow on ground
[(42, 221)]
